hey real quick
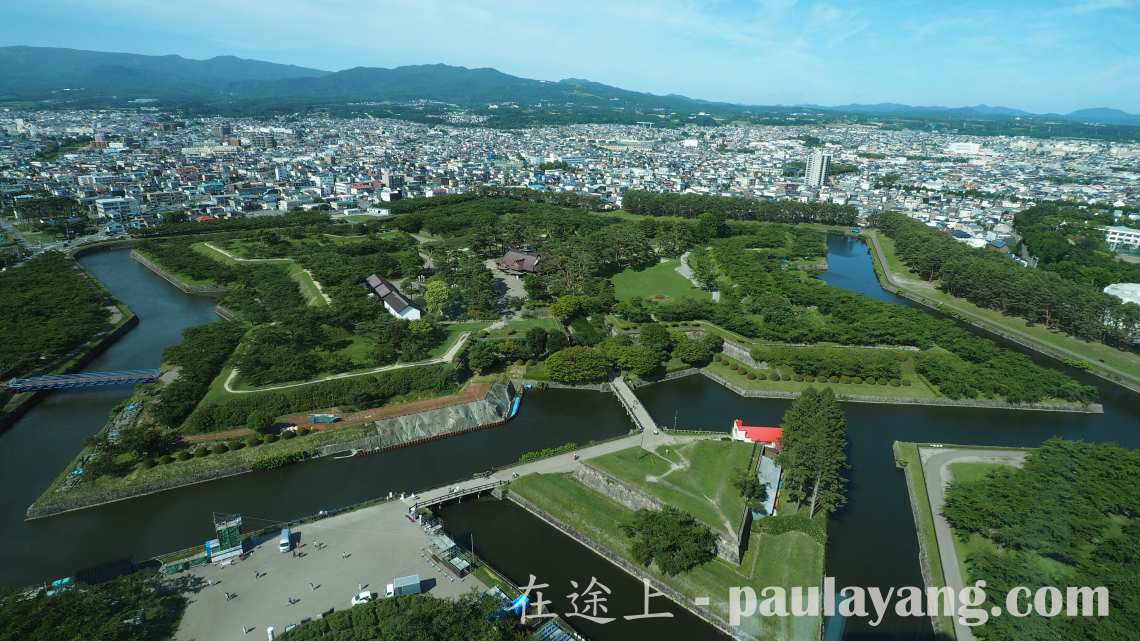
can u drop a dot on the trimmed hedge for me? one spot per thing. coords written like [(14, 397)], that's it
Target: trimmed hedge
[(797, 378), (809, 378), (882, 381), (220, 448), (751, 376), (287, 434), (149, 462), (733, 366), (303, 431), (833, 379), (905, 382), (814, 528), (183, 455), (269, 438), (234, 446), (895, 382), (200, 452), (857, 380), (252, 441), (845, 380), (760, 376), (785, 377), (742, 371)]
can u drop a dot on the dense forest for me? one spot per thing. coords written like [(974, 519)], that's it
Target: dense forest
[(131, 608), (1046, 230), (644, 203), (990, 279), (200, 356), (1066, 518), (47, 307), (417, 617)]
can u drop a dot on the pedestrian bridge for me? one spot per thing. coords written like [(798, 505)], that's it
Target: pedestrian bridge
[(128, 377)]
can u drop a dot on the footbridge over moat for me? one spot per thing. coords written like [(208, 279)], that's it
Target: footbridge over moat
[(63, 381)]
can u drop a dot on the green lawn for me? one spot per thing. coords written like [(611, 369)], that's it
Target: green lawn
[(696, 482), (308, 286), (1093, 352), (520, 327), (452, 333), (916, 390), (658, 280), (786, 560), (972, 471)]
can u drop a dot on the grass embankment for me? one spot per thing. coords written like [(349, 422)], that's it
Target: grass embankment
[(177, 469), (924, 519), (788, 560), (916, 390), (1094, 353), (304, 281), (186, 280), (694, 477), (661, 279)]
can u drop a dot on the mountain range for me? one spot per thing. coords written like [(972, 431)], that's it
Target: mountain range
[(77, 78)]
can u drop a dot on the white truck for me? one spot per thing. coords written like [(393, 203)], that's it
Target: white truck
[(403, 585)]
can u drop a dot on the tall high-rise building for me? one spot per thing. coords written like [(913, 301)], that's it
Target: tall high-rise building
[(818, 165)]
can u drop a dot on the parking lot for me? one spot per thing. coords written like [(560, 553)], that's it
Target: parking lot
[(367, 548)]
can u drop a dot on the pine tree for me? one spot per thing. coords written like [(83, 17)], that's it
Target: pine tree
[(814, 437)]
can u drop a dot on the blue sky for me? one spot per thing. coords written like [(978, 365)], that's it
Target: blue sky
[(1039, 56)]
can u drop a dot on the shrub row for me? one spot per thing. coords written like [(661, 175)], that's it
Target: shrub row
[(276, 461), (815, 528), (549, 451)]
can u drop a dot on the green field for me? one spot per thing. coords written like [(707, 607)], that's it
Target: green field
[(1092, 352), (694, 477), (661, 279), (787, 560), (916, 390)]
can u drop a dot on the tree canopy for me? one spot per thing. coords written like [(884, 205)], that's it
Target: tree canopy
[(814, 438), (672, 539)]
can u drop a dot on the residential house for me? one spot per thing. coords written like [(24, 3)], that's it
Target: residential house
[(396, 303)]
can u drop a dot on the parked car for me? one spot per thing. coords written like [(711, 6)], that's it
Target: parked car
[(363, 597)]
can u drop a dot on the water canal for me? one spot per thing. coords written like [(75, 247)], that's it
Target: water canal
[(39, 445), (872, 538)]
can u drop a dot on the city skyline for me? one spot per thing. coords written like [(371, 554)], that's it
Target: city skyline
[(1051, 58)]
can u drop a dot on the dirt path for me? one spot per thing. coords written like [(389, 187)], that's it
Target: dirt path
[(271, 260)]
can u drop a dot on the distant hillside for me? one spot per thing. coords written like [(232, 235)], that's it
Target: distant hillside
[(71, 78), (30, 72)]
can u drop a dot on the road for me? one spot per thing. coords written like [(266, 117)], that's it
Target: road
[(450, 354), (935, 467), (1000, 329)]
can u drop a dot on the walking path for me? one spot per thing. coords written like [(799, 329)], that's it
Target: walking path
[(935, 467), (563, 463), (633, 405), (272, 260), (686, 271), (450, 354), (381, 543), (998, 328)]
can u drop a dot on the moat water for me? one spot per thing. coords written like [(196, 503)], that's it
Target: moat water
[(872, 539)]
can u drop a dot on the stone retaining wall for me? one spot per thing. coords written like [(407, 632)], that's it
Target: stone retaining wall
[(727, 548), (121, 495), (660, 379), (596, 387), (173, 280), (225, 313), (738, 352), (923, 553), (637, 572)]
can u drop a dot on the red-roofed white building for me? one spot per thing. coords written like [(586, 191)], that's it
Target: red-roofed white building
[(769, 436)]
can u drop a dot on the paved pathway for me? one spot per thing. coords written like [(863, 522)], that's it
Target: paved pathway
[(641, 415), (1000, 329), (684, 270), (563, 463), (446, 358), (381, 542), (935, 467)]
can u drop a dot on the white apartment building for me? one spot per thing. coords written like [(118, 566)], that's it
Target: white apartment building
[(818, 165), (964, 148), (116, 208), (1122, 238)]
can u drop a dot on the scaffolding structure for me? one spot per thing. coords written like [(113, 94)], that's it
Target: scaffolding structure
[(228, 527)]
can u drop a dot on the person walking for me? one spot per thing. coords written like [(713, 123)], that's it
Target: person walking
[(311, 586), (211, 581), (227, 596)]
